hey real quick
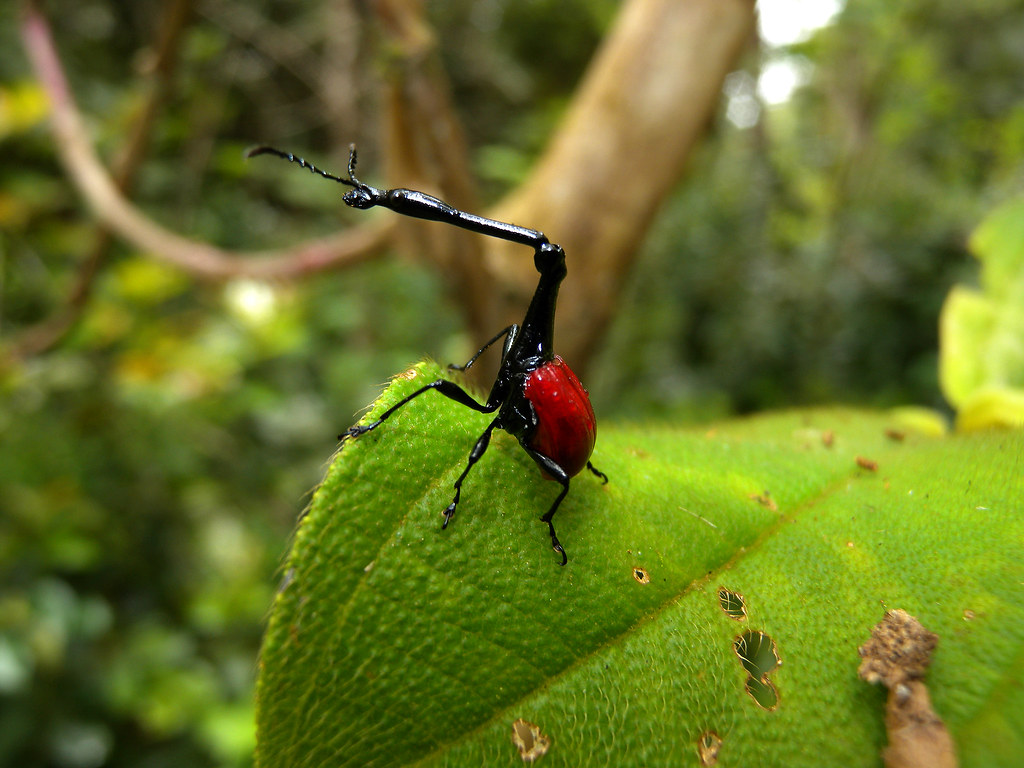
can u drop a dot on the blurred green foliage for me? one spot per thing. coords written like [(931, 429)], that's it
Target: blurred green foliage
[(152, 464), (983, 330), (806, 258)]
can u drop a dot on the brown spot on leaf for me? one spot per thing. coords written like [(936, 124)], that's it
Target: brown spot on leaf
[(868, 464), (641, 575), (407, 375), (899, 650), (531, 743), (828, 437), (765, 500)]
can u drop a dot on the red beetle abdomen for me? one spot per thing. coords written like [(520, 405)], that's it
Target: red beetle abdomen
[(566, 427)]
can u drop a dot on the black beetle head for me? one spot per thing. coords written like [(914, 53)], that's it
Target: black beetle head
[(549, 260), (360, 197)]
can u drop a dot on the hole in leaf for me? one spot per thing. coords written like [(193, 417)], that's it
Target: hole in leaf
[(763, 692), (732, 603), (531, 743), (757, 653), (707, 748), (641, 575), (759, 657)]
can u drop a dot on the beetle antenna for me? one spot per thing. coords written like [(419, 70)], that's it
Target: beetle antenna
[(350, 181), (352, 166)]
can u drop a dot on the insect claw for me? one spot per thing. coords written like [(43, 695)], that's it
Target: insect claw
[(555, 543), (356, 431), (558, 548), (597, 472)]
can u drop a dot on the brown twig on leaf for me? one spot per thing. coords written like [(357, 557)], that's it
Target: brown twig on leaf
[(897, 655)]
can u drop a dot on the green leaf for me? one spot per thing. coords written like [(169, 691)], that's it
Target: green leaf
[(982, 332), (393, 642)]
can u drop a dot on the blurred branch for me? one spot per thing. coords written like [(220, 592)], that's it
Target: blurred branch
[(275, 41), (426, 148), (646, 98), (110, 206), (44, 335)]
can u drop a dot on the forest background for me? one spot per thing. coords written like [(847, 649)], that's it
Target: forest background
[(162, 423)]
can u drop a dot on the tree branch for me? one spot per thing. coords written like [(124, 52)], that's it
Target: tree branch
[(646, 98), (43, 335), (110, 206), (426, 148)]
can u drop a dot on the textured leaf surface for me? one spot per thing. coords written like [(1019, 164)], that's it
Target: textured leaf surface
[(393, 642)]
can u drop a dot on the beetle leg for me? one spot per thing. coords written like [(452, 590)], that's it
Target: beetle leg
[(511, 332), (445, 387), (598, 473), (555, 543), (549, 465), (474, 456)]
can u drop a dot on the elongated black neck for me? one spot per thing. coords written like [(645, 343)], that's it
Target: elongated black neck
[(536, 336), (534, 343)]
